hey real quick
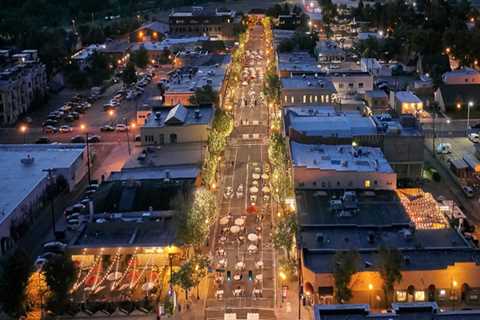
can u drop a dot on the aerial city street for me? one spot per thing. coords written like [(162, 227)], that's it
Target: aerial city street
[(239, 159)]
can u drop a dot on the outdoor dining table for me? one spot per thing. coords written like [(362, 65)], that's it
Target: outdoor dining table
[(255, 183), (252, 248), (240, 265), (237, 277), (224, 221), (223, 238), (265, 176), (219, 293), (239, 222), (259, 277), (266, 189), (241, 238), (259, 264), (235, 229), (221, 251), (253, 189), (255, 176), (237, 292), (252, 237)]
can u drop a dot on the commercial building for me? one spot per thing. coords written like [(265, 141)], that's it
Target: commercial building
[(461, 76), (177, 125), (406, 102), (303, 90), (280, 35), (83, 57), (452, 97), (398, 311), (153, 31), (23, 81), (22, 171), (297, 63), (218, 23), (437, 262), (377, 100), (289, 21), (328, 52), (340, 167), (374, 67), (351, 83), (183, 82), (400, 139)]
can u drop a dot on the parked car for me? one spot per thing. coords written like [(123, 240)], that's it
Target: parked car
[(65, 129), (94, 139), (444, 148), (107, 128), (43, 140), (78, 139), (120, 127), (474, 137), (50, 129)]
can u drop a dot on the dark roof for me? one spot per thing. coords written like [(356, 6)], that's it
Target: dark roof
[(455, 93), (156, 26)]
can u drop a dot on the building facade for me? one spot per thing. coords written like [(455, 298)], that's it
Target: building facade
[(307, 90), (22, 82)]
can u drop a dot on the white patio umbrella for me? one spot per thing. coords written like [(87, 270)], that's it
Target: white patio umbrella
[(255, 183), (265, 176), (259, 277), (148, 286), (252, 247), (114, 276), (239, 222), (234, 229), (252, 237), (255, 176), (253, 189), (223, 221), (240, 265), (265, 189)]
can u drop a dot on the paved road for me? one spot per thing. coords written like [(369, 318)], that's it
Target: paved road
[(245, 158)]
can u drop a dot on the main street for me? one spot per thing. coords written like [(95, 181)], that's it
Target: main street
[(243, 256)]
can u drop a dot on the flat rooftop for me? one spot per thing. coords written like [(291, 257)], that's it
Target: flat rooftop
[(179, 172), (308, 83), (339, 158), (19, 179), (170, 155), (379, 208), (326, 122), (188, 79), (407, 97), (158, 233), (298, 61)]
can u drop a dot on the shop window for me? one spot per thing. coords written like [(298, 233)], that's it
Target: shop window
[(401, 296), (419, 295), (367, 183)]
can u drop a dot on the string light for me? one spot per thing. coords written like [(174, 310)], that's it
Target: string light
[(129, 265), (79, 282), (109, 269)]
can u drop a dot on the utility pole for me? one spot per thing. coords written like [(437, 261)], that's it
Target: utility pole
[(51, 198)]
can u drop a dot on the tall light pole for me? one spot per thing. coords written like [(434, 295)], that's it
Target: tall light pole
[(23, 130), (469, 105), (83, 128)]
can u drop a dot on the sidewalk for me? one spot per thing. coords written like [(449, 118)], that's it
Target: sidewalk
[(288, 310)]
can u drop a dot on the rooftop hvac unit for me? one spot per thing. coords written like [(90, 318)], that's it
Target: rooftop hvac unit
[(28, 160)]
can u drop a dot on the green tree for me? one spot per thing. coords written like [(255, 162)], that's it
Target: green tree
[(184, 277), (390, 271), (200, 265), (284, 234), (286, 45), (346, 264), (100, 68), (60, 275), (204, 95), (140, 57), (129, 74), (14, 273)]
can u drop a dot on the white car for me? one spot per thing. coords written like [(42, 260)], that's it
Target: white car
[(121, 127), (65, 129), (474, 137)]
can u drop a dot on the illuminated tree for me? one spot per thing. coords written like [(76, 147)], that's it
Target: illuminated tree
[(346, 264), (36, 293)]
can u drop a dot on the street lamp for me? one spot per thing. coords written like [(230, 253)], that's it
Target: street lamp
[(83, 128), (23, 130), (283, 277), (469, 105)]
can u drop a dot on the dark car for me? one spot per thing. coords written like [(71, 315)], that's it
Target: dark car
[(50, 122), (94, 139), (476, 126), (78, 139), (107, 128), (43, 140)]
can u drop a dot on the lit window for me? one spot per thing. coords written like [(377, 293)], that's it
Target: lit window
[(419, 295), (304, 99), (327, 99), (401, 296), (442, 293), (316, 98), (292, 99), (323, 98), (368, 183), (286, 99), (311, 99)]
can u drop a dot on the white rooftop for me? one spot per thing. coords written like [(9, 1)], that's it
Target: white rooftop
[(326, 122), (19, 179), (339, 158)]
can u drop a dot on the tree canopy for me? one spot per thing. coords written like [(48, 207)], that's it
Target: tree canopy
[(346, 265), (14, 273)]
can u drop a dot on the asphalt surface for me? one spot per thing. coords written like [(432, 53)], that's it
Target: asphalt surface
[(245, 156)]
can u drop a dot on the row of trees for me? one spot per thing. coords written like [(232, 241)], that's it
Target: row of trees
[(347, 265), (26, 291)]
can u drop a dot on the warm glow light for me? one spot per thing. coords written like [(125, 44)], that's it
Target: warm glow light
[(454, 283), (23, 128), (111, 112), (282, 275), (140, 34), (459, 106), (370, 286), (82, 126), (447, 50)]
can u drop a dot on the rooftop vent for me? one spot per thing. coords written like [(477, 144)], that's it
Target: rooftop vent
[(28, 160)]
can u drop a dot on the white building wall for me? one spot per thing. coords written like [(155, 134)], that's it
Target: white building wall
[(308, 178)]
